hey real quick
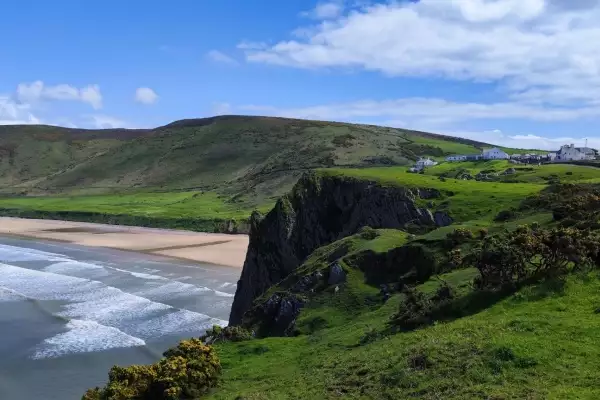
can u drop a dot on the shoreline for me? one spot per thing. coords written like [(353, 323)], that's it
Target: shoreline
[(212, 248)]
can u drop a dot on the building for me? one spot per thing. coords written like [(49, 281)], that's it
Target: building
[(516, 156), (473, 157), (456, 158), (572, 153), (425, 162), (495, 154)]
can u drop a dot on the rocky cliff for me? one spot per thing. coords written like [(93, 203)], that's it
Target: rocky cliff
[(319, 211)]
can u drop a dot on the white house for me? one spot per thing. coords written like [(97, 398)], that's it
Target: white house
[(495, 154), (456, 158), (425, 162), (572, 153), (551, 156)]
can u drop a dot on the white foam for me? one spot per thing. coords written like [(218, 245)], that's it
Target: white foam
[(141, 275), (7, 295), (173, 289), (224, 294), (226, 284), (103, 316), (83, 337), (13, 253), (79, 269), (181, 321)]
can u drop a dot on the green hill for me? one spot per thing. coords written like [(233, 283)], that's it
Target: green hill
[(258, 158), (483, 308)]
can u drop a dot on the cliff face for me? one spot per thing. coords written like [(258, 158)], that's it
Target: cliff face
[(319, 211)]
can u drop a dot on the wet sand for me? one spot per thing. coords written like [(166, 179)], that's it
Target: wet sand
[(213, 248)]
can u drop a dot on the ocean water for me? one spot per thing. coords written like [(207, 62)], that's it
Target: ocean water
[(68, 313)]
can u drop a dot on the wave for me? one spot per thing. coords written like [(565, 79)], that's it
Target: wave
[(85, 336), (111, 317), (12, 253)]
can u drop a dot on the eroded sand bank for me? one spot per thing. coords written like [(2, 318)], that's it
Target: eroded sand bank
[(211, 248)]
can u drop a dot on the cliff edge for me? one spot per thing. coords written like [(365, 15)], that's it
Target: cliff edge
[(318, 211)]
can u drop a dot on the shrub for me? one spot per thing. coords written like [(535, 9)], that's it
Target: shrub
[(414, 310), (460, 236), (368, 233), (417, 310), (505, 215), (532, 255), (186, 372), (227, 334), (343, 140), (483, 232), (569, 173)]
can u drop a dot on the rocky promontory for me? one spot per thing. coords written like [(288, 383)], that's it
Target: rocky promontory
[(318, 211)]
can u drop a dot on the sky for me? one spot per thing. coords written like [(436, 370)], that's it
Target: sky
[(519, 73)]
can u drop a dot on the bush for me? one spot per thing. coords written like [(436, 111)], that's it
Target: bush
[(417, 310), (368, 233), (532, 255), (460, 236), (186, 372), (505, 215), (569, 173), (227, 334), (483, 232)]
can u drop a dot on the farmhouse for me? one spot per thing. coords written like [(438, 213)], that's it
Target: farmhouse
[(425, 162), (495, 154), (572, 153)]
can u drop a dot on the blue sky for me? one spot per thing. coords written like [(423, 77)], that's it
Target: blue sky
[(515, 72)]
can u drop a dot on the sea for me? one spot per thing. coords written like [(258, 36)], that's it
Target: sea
[(68, 313)]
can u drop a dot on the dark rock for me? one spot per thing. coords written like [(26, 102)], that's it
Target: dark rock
[(428, 194), (336, 275), (442, 219), (319, 211), (277, 315)]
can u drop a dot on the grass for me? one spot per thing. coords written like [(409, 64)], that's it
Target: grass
[(524, 173), (202, 211), (470, 200), (536, 344)]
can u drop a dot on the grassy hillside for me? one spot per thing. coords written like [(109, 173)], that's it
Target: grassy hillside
[(255, 157), (536, 339)]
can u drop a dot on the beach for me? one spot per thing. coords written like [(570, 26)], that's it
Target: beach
[(212, 248), (70, 312)]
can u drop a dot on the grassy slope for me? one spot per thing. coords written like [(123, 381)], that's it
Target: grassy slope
[(471, 200), (257, 157), (524, 346), (538, 343), (245, 162)]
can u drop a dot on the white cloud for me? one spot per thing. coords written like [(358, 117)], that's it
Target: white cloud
[(221, 108), (525, 141), (430, 110), (145, 95), (326, 10), (540, 51), (12, 113), (220, 57), (105, 122), (29, 93)]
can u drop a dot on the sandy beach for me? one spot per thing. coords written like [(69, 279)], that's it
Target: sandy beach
[(214, 248)]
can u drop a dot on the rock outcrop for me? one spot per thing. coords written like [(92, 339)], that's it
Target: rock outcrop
[(319, 211)]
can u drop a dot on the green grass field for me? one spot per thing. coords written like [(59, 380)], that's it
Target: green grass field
[(164, 205), (470, 200), (524, 173), (539, 343)]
